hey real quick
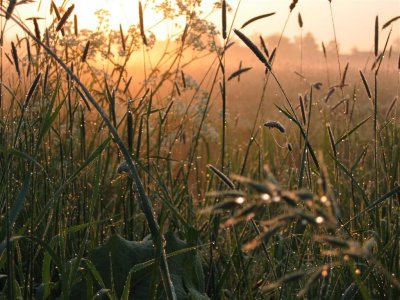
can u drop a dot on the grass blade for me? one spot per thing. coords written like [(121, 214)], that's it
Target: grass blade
[(14, 54), (225, 179), (256, 19), (86, 51), (376, 44), (387, 24), (351, 131), (141, 24), (238, 73), (17, 205), (224, 35), (387, 196), (10, 8), (31, 91), (65, 17), (366, 85), (253, 48), (127, 287)]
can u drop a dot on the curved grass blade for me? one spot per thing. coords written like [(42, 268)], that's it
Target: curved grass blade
[(390, 22), (22, 155), (85, 52), (351, 131), (19, 201), (331, 139), (238, 73), (264, 46), (226, 194), (61, 188), (14, 54), (253, 48), (50, 116), (10, 8), (16, 206), (140, 266), (388, 195), (294, 3), (256, 19), (32, 90), (366, 85), (83, 98), (127, 287), (343, 82), (95, 154), (95, 273), (65, 17), (303, 133), (225, 179), (351, 291), (56, 259), (351, 176)]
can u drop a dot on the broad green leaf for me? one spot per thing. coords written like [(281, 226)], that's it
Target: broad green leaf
[(131, 275)]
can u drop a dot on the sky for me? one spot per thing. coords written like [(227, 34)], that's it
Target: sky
[(354, 19)]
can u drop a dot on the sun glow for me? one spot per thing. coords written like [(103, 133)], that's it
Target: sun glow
[(124, 13), (316, 16), (121, 12)]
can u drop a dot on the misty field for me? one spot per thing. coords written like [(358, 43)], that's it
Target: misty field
[(212, 165)]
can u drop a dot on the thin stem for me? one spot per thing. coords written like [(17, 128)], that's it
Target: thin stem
[(261, 101), (301, 51), (336, 43), (376, 134)]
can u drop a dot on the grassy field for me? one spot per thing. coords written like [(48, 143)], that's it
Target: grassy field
[(137, 169)]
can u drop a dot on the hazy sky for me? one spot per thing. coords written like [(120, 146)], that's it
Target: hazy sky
[(354, 19)]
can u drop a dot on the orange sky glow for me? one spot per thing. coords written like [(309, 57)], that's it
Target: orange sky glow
[(354, 19)]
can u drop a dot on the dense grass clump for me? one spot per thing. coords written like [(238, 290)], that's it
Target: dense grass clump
[(139, 169)]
